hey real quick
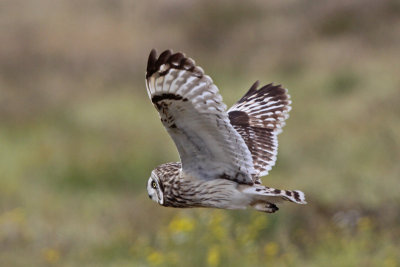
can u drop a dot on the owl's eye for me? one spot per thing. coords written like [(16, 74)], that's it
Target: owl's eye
[(154, 185)]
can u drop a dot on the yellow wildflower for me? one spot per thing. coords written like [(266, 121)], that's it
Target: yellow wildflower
[(181, 224), (213, 256), (271, 249), (51, 255), (155, 258)]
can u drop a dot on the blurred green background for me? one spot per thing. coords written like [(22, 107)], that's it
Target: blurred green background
[(79, 137)]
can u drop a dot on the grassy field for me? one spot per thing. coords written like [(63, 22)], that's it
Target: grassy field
[(79, 137)]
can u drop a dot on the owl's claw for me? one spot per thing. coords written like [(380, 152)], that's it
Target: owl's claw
[(271, 208)]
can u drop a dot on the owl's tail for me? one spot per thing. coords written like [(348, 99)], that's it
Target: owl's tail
[(264, 198)]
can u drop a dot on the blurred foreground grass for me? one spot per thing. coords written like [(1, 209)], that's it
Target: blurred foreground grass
[(78, 136)]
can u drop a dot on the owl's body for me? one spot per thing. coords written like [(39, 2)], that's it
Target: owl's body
[(182, 190), (223, 154)]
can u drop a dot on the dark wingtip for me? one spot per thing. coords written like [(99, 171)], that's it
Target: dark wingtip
[(252, 89), (273, 89), (254, 86), (151, 63), (175, 61), (164, 56), (154, 63), (153, 54)]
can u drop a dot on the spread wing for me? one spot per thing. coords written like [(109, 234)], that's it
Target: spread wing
[(259, 117), (194, 115)]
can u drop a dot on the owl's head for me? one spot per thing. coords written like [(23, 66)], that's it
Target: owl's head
[(155, 189)]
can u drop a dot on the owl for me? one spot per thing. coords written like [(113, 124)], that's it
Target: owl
[(223, 152)]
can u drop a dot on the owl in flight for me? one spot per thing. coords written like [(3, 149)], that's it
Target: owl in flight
[(223, 152)]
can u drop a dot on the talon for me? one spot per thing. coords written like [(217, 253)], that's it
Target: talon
[(272, 207)]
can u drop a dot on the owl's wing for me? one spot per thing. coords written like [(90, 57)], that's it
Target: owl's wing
[(194, 115), (259, 117)]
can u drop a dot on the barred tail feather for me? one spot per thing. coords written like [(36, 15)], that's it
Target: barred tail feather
[(272, 195)]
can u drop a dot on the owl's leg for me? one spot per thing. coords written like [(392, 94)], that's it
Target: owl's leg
[(265, 207)]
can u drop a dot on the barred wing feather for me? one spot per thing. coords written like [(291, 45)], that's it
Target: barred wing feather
[(259, 117)]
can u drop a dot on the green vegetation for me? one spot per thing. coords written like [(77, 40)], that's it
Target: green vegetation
[(79, 138)]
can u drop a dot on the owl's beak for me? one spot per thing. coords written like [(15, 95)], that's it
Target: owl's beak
[(149, 196)]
